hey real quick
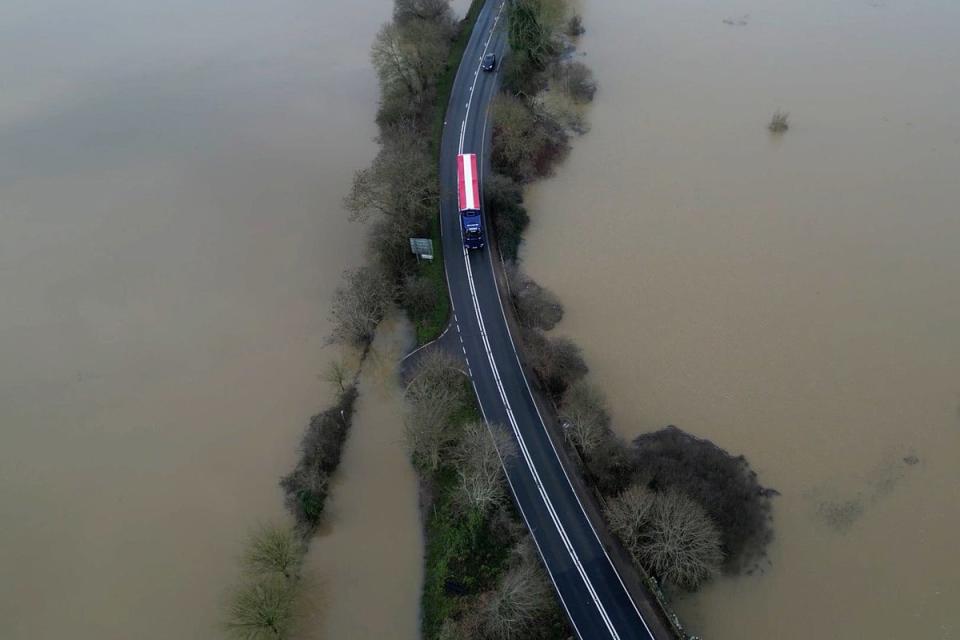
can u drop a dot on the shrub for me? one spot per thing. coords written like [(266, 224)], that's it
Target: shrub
[(526, 144), (576, 80), (305, 488), (557, 361), (779, 123), (536, 306), (520, 77), (418, 295), (504, 201), (611, 465), (358, 306)]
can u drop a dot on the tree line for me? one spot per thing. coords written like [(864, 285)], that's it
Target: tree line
[(483, 578)]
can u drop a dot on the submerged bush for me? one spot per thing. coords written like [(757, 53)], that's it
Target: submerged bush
[(305, 488), (779, 122)]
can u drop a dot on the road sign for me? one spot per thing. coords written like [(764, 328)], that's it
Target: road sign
[(423, 247)]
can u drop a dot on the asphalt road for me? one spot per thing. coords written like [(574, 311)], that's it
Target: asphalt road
[(596, 601)]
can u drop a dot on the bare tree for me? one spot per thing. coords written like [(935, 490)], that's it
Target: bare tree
[(517, 605), (359, 305), (586, 422), (436, 11), (681, 544), (337, 375), (274, 549), (668, 533), (437, 368), (628, 515), (408, 56), (435, 393), (262, 610), (428, 432), (477, 459), (401, 183)]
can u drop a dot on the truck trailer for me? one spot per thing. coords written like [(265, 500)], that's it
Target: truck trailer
[(468, 191)]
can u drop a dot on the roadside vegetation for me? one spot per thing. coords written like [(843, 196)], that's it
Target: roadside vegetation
[(415, 56), (483, 579)]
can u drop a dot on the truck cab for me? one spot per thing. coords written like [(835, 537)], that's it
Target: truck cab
[(468, 194), (472, 224)]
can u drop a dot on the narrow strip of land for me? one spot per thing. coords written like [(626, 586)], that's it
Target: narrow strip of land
[(592, 592)]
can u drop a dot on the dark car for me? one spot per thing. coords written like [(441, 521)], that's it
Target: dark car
[(489, 62)]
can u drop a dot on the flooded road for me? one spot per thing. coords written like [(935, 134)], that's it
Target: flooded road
[(171, 232), (794, 299)]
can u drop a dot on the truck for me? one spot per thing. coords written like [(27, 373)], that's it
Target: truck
[(468, 191)]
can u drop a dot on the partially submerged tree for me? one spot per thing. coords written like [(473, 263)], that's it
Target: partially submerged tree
[(401, 183), (305, 493), (274, 549), (305, 488), (435, 11), (359, 304), (408, 56), (262, 610)]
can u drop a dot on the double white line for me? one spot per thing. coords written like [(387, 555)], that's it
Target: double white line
[(503, 395)]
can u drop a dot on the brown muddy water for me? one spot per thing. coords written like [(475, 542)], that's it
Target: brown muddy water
[(171, 232), (794, 299)]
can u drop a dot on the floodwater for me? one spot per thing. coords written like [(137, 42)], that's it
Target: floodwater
[(171, 232), (794, 299), (366, 564)]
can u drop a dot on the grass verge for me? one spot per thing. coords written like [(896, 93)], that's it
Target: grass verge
[(431, 325)]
